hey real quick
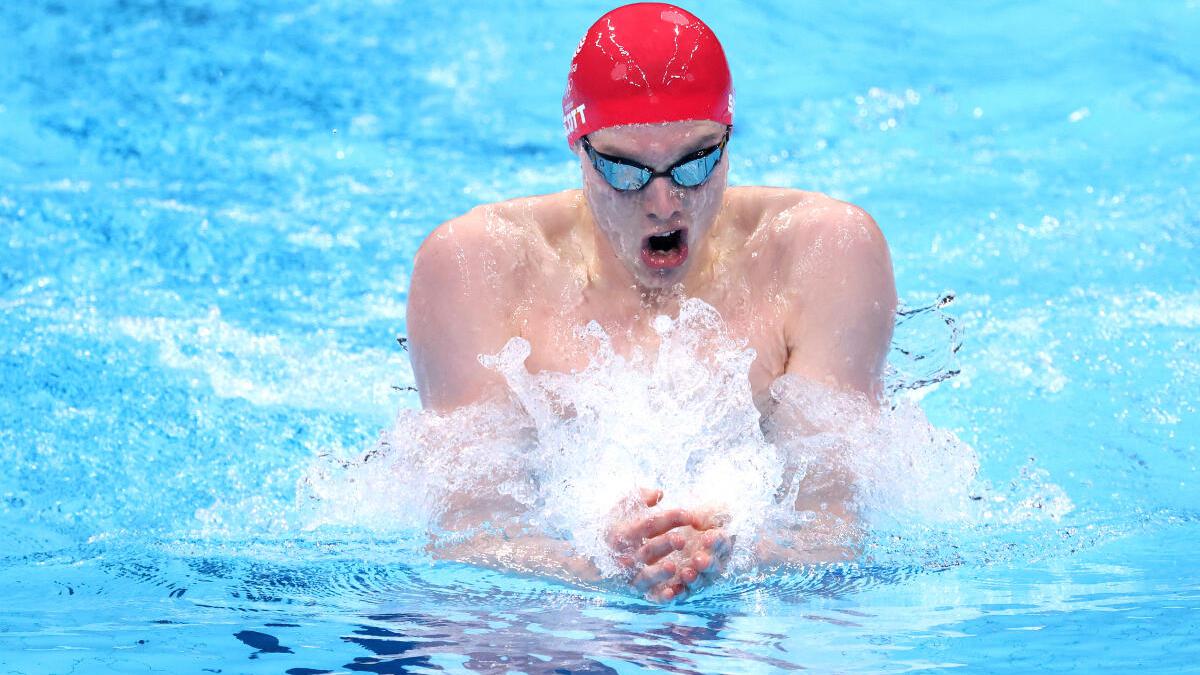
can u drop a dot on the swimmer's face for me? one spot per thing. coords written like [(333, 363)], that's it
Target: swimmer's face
[(657, 230)]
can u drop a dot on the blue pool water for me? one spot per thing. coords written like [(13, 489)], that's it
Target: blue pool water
[(208, 213)]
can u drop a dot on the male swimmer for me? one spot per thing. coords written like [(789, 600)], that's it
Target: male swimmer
[(805, 279)]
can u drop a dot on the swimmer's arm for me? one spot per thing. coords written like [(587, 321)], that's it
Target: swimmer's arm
[(640, 543), (830, 533), (843, 303), (826, 526), (461, 291), (457, 310), (528, 553), (494, 537), (838, 336)]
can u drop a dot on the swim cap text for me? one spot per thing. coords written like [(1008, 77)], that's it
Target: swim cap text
[(574, 117)]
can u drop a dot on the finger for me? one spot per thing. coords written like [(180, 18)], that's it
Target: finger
[(623, 537), (650, 496), (667, 592), (689, 575), (663, 522), (660, 593), (707, 520), (652, 575), (658, 547), (715, 553), (627, 536), (717, 541)]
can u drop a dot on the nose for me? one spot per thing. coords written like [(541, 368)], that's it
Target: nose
[(661, 200)]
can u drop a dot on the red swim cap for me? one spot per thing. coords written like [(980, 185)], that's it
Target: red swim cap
[(646, 63)]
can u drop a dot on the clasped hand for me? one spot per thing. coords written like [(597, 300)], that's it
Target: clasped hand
[(670, 553)]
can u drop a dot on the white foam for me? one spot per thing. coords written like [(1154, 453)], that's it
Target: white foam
[(680, 417), (310, 371)]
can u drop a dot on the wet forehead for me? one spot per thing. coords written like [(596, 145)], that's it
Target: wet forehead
[(657, 144)]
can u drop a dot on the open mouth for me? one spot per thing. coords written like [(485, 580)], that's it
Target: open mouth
[(665, 251)]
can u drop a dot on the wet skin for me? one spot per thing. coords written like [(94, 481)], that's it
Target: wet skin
[(805, 279)]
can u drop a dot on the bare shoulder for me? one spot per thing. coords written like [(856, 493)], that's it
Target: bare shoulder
[(480, 232), (492, 244), (811, 233), (798, 217), (544, 217)]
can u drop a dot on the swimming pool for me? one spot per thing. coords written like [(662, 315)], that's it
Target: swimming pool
[(208, 213)]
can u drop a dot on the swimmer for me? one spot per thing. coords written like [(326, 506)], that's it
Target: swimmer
[(805, 279)]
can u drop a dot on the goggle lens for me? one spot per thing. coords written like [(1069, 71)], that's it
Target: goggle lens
[(695, 172), (624, 177)]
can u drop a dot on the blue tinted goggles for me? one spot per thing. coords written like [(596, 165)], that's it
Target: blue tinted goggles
[(627, 175)]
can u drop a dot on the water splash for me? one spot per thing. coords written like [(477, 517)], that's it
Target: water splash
[(681, 419), (925, 347), (828, 474)]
